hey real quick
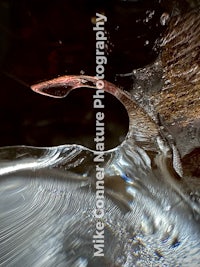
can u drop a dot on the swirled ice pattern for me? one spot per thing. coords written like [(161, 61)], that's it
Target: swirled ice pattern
[(152, 214), (47, 198)]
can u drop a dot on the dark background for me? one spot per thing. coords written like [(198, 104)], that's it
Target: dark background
[(41, 39)]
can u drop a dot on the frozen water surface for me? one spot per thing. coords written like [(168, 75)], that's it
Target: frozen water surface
[(48, 199), (152, 215), (47, 218)]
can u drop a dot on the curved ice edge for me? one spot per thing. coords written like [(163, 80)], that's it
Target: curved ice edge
[(14, 158)]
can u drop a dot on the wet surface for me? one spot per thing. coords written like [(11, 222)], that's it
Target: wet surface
[(151, 177)]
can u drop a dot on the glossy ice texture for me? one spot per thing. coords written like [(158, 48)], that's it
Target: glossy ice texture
[(47, 196), (47, 201)]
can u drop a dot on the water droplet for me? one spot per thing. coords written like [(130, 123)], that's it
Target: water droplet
[(82, 72), (167, 208), (164, 19)]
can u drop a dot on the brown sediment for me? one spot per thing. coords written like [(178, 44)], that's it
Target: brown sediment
[(191, 163), (179, 99)]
